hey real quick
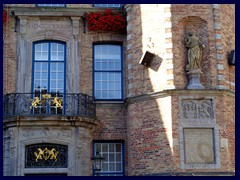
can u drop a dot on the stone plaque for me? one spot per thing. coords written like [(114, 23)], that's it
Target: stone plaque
[(197, 109), (198, 146)]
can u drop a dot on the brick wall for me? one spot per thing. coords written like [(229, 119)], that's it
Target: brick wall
[(150, 136), (226, 42), (9, 55)]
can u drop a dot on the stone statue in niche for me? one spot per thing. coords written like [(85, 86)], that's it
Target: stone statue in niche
[(195, 50), (194, 55)]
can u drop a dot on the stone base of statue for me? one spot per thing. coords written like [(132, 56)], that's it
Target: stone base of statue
[(194, 79)]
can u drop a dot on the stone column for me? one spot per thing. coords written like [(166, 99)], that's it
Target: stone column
[(10, 162), (73, 63), (21, 55)]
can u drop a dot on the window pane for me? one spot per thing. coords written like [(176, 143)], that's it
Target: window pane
[(118, 157), (38, 56), (54, 47), (45, 47), (105, 148), (98, 147), (104, 86), (105, 155), (53, 75), (118, 148), (37, 84), (105, 167), (57, 52), (111, 166), (111, 158), (54, 56), (60, 84), (105, 94), (37, 75), (53, 85), (60, 56), (60, 67), (41, 51), (98, 94), (98, 86), (60, 75), (117, 85), (104, 76), (118, 167)]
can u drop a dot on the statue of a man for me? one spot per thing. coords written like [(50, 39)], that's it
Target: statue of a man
[(195, 49)]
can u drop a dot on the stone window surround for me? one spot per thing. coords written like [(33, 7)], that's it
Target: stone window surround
[(24, 58), (24, 170)]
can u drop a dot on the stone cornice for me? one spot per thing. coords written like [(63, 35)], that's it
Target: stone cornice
[(50, 121), (55, 12), (166, 93)]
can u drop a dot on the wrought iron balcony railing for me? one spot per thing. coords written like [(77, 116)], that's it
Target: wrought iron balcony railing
[(39, 104)]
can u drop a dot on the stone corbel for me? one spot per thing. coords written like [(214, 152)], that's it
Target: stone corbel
[(75, 27), (49, 34), (23, 26)]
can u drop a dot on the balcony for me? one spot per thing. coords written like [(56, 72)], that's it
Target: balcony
[(52, 104)]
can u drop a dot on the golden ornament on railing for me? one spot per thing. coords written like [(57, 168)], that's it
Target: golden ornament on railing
[(35, 102), (46, 96), (57, 102)]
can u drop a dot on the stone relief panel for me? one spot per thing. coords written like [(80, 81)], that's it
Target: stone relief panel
[(49, 28), (197, 109), (199, 146), (43, 132)]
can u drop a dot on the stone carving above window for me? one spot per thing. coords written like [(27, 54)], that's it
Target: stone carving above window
[(197, 109)]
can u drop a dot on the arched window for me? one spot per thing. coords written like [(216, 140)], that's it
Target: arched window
[(49, 59)]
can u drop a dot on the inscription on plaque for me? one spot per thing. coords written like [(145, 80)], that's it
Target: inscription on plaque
[(198, 146), (50, 26)]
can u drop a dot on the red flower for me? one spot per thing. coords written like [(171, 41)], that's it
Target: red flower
[(5, 18), (107, 21)]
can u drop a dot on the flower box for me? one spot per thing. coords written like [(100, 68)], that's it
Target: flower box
[(106, 21)]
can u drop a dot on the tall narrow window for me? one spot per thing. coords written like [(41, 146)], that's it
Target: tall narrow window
[(113, 163), (108, 72), (49, 73)]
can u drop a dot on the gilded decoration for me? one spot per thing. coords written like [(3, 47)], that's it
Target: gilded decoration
[(46, 154)]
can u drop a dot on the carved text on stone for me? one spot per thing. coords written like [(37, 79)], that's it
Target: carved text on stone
[(50, 26)]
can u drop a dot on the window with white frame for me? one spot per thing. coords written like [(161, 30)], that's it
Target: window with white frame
[(113, 163), (108, 72), (108, 5), (51, 5)]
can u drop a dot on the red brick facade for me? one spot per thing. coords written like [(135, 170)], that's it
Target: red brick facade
[(150, 120)]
